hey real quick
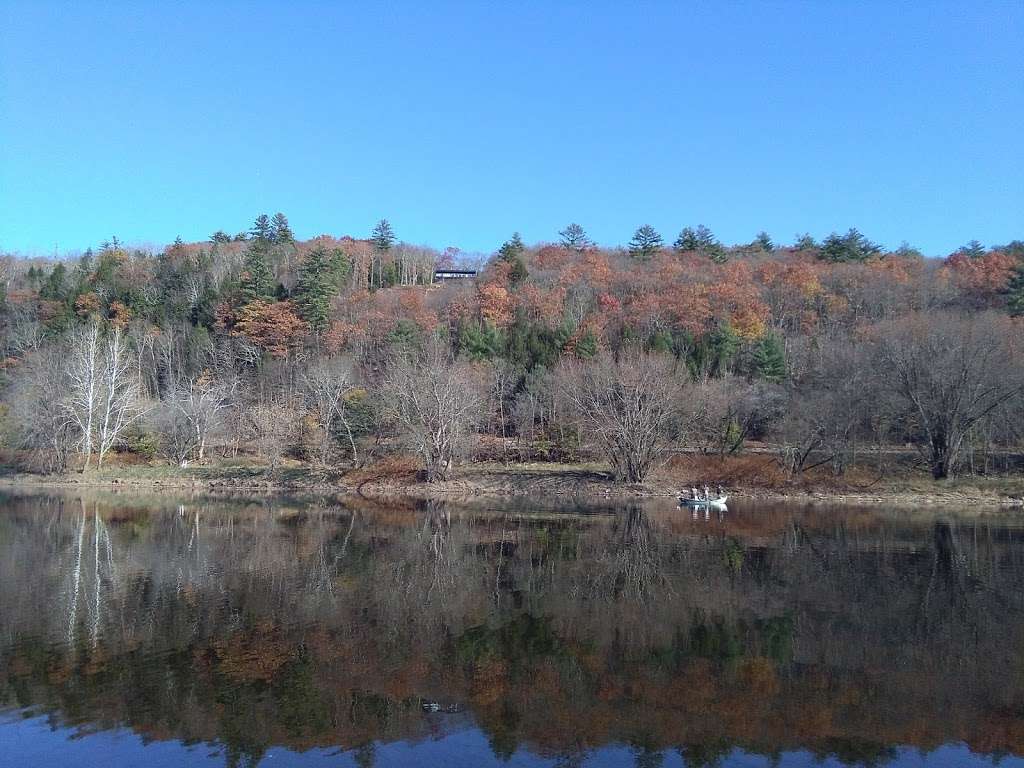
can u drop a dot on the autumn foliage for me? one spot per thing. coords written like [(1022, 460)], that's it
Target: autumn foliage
[(259, 308), (274, 327)]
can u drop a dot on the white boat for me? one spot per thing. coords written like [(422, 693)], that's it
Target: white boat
[(718, 501)]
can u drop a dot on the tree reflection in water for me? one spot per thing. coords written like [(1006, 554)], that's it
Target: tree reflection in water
[(256, 623)]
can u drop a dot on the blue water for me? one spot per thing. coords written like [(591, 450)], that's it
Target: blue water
[(294, 632), (37, 742)]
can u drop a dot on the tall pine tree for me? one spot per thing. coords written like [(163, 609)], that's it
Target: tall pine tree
[(383, 238), (316, 287), (700, 240), (973, 249), (770, 359), (257, 279), (512, 248), (280, 231), (54, 288), (764, 242), (575, 238), (262, 229), (805, 242), (1015, 291), (645, 243), (852, 246), (512, 251)]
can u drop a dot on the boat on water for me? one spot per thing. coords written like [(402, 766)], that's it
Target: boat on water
[(717, 501), (697, 499)]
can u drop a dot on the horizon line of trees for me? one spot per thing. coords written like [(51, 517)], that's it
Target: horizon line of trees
[(645, 241), (340, 351)]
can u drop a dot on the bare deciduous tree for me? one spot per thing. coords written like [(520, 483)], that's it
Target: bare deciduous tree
[(535, 411), (121, 397), (728, 411), (43, 428), (84, 372), (273, 426), (630, 406), (503, 379), (103, 396), (951, 371), (189, 414), (436, 400), (831, 404), (330, 395), (24, 332)]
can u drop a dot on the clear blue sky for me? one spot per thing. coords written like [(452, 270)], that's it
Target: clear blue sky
[(461, 122)]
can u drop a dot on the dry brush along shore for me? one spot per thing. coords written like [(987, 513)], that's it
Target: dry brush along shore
[(398, 478)]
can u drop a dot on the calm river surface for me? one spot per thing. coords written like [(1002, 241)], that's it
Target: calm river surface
[(164, 631)]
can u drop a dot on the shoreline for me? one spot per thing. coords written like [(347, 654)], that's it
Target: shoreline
[(569, 482)]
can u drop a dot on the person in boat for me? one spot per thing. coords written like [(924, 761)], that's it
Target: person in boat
[(694, 495), (707, 493), (721, 492)]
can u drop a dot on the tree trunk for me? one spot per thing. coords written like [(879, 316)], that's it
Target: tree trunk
[(940, 458)]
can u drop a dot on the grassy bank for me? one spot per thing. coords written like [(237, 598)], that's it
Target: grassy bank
[(751, 476)]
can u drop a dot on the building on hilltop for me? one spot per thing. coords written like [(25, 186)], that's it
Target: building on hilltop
[(441, 275)]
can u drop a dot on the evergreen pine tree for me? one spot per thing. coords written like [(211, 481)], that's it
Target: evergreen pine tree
[(341, 266), (973, 249), (257, 278), (712, 354), (280, 232), (645, 243), (805, 242), (705, 239), (220, 237), (480, 341), (518, 273), (512, 248), (717, 254), (660, 342), (575, 238), (512, 251), (1014, 248), (383, 236), (723, 344), (1015, 292), (852, 246), (262, 229), (834, 248), (53, 287), (315, 289), (586, 347), (764, 242), (708, 245), (700, 240), (687, 240), (770, 359)]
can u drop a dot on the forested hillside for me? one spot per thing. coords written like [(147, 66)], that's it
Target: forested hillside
[(340, 351)]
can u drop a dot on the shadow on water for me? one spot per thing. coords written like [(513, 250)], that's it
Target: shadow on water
[(557, 637)]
